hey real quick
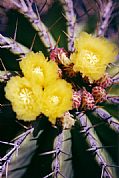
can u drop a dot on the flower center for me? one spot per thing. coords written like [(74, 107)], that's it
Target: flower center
[(25, 95), (38, 70), (54, 100), (90, 57)]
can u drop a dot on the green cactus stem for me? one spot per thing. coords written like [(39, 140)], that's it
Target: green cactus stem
[(113, 99), (115, 78), (113, 123), (71, 20), (62, 163), (11, 153), (46, 148), (106, 9), (34, 18), (13, 46), (101, 156)]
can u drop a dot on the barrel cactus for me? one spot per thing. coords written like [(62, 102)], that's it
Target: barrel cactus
[(59, 98)]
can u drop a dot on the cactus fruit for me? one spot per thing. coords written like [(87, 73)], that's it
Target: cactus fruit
[(59, 90), (99, 94), (105, 81), (88, 101)]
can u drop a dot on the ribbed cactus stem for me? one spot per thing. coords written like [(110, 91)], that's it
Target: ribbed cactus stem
[(94, 143), (13, 46), (106, 9), (113, 99), (61, 152), (16, 145), (62, 163), (113, 123), (58, 146), (56, 152), (5, 75), (34, 18), (115, 78), (71, 20)]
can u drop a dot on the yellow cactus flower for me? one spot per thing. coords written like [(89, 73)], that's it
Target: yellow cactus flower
[(92, 55), (24, 98), (57, 99), (38, 70)]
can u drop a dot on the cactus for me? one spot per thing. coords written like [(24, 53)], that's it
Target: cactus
[(59, 91)]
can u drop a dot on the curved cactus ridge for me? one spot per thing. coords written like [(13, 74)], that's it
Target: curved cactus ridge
[(95, 145), (14, 157), (62, 163), (13, 46), (51, 147)]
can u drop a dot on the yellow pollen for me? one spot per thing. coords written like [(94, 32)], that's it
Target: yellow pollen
[(25, 95), (38, 70), (54, 100), (90, 57)]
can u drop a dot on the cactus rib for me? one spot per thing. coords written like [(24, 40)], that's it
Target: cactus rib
[(34, 18), (60, 156), (106, 9), (115, 78), (113, 99), (5, 75), (16, 145), (113, 123), (13, 46), (71, 20), (94, 143)]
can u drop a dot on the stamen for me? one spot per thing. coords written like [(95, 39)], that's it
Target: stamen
[(54, 100), (38, 70), (90, 57), (25, 95)]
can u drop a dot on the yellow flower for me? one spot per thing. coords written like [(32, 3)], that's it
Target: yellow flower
[(92, 55), (25, 99), (57, 98), (38, 70)]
